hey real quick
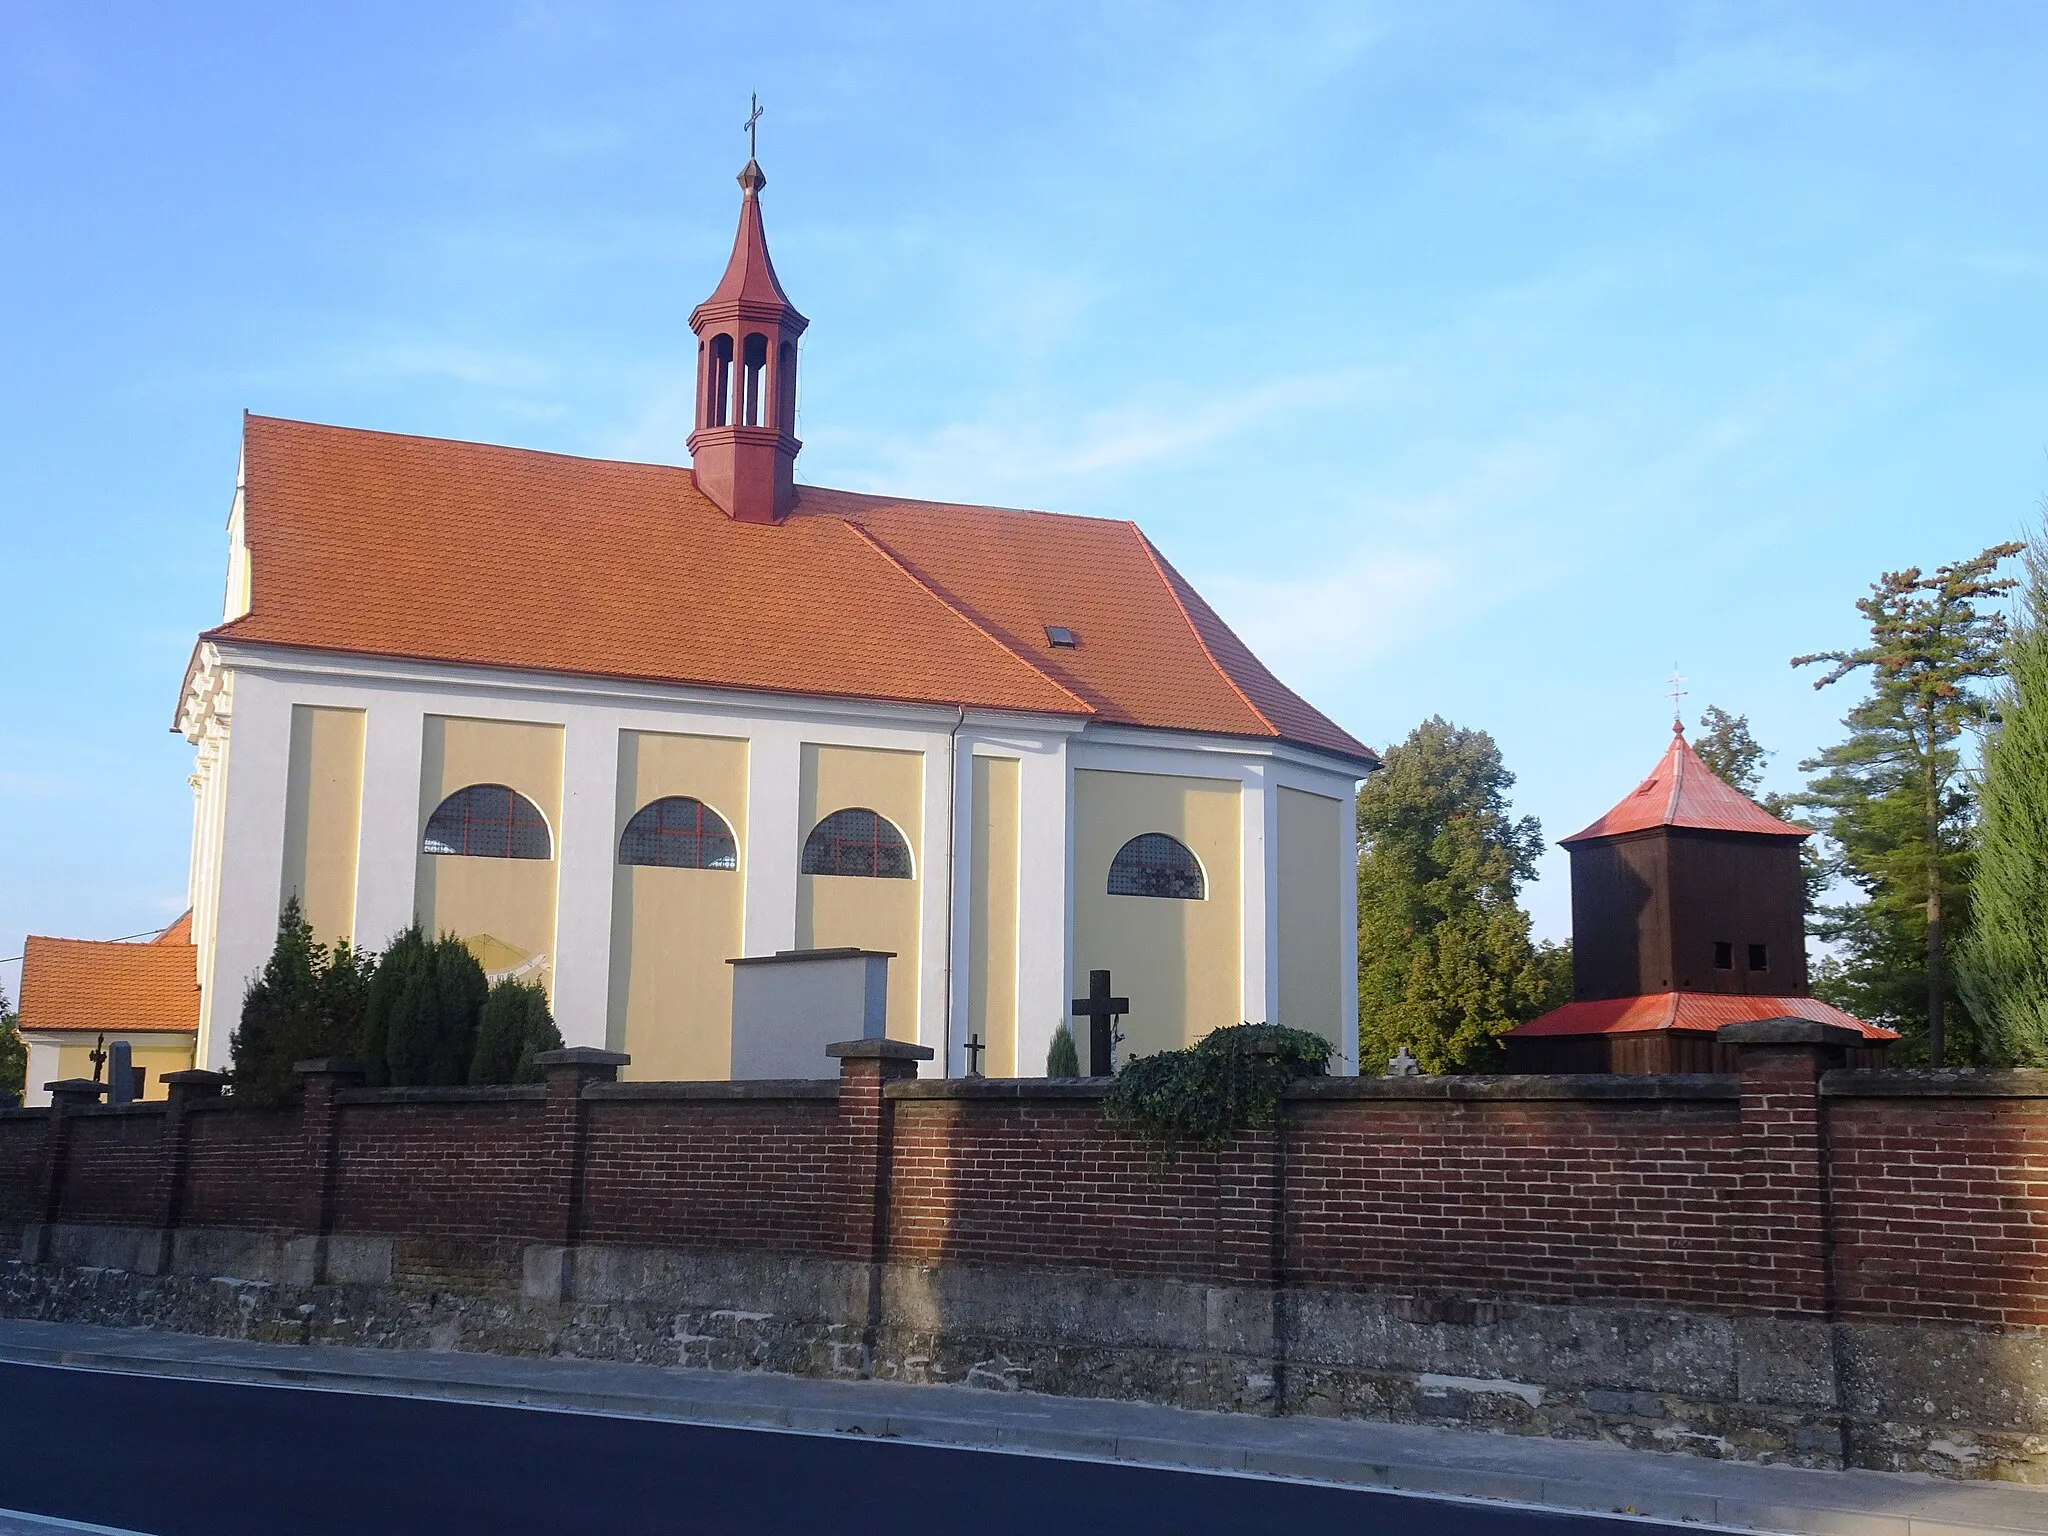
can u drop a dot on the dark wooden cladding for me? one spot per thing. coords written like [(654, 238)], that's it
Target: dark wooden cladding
[(1658, 1052), (1649, 910)]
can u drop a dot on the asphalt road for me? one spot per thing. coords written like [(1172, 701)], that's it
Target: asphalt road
[(196, 1458)]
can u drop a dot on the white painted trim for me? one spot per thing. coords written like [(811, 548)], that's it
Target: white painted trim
[(42, 1071), (388, 850), (1258, 884), (586, 857), (1347, 904), (774, 841)]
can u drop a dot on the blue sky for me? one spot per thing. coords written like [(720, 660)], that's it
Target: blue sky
[(1475, 359)]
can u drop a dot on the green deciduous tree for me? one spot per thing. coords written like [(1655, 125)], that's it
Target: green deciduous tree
[(13, 1050), (1445, 965), (308, 1002), (1893, 801), (425, 1002), (515, 1028), (2002, 962)]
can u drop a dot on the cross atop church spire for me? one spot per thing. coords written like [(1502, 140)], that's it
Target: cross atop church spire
[(743, 451)]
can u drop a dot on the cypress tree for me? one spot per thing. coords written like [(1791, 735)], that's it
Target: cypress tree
[(395, 968), (516, 1027), (427, 1010), (2002, 966), (280, 1014), (1063, 1057)]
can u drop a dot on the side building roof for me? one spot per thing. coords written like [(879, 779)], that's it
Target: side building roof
[(428, 549), (94, 986)]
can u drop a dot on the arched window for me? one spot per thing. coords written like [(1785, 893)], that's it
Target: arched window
[(1153, 864), (857, 842), (679, 833), (489, 821), (753, 364), (785, 387), (718, 393)]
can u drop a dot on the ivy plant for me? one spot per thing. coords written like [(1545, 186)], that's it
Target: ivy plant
[(1227, 1081)]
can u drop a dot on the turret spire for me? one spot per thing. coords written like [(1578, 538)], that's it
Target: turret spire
[(743, 451)]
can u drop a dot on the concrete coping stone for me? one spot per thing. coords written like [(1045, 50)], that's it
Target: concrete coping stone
[(879, 1050), (583, 1056), (106, 1111), (1717, 1086), (516, 1093), (1936, 1083), (750, 1089), (328, 1066), (799, 956), (22, 1112), (1004, 1088)]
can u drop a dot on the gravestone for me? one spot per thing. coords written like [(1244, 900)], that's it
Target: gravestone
[(1102, 1011), (787, 1007), (121, 1073)]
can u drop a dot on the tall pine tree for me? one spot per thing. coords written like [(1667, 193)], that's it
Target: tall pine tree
[(1445, 964), (2002, 964), (1893, 801)]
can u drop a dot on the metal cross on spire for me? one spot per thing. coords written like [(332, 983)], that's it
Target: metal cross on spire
[(753, 117), (1677, 691)]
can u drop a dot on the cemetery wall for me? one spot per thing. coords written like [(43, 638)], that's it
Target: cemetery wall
[(1785, 1264)]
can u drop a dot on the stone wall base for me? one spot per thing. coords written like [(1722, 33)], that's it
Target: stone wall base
[(1952, 1401)]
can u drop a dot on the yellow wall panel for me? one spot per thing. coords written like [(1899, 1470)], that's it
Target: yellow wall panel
[(674, 929), (511, 900), (323, 818), (1311, 915), (1177, 961), (842, 910)]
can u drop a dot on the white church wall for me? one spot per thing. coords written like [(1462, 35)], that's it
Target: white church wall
[(398, 697), (251, 855)]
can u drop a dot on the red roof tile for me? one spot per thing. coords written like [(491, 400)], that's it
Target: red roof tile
[(1681, 792), (95, 986), (427, 549), (1701, 1012)]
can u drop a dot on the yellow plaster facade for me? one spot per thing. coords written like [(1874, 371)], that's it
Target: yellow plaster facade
[(1311, 914), (992, 914), (323, 817), (155, 1054), (1177, 961), (674, 929), (512, 900), (837, 910)]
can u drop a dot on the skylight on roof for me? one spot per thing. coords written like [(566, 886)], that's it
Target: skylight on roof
[(1060, 638)]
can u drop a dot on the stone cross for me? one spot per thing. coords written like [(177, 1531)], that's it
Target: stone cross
[(1403, 1065), (1102, 1011)]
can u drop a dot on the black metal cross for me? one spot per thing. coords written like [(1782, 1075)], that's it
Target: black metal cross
[(974, 1048), (753, 117), (1102, 1011), (98, 1057)]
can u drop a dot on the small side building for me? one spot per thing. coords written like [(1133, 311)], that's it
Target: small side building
[(1688, 912), (80, 996)]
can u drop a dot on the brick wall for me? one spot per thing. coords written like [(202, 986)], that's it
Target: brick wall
[(441, 1163), (1873, 1195), (114, 1166), (708, 1169), (243, 1168), (1940, 1208)]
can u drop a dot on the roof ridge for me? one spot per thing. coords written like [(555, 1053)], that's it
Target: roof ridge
[(1679, 749), (1168, 578), (467, 442), (962, 615)]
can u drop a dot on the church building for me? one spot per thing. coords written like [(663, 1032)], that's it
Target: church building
[(619, 724)]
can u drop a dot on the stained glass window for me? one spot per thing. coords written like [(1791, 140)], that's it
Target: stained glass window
[(1153, 864), (489, 821), (857, 842), (679, 833)]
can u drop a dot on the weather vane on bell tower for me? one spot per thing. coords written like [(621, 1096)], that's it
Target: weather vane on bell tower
[(753, 117)]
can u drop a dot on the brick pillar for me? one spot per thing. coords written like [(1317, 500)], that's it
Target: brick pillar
[(325, 1078), (866, 1123), (1251, 1242), (185, 1089), (1786, 1234), (67, 1097), (548, 1264)]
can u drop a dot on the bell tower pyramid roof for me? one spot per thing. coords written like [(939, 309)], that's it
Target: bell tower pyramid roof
[(1682, 792)]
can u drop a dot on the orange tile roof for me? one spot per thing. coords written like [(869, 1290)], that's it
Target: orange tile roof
[(428, 549), (1681, 792), (112, 988), (1702, 1012)]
